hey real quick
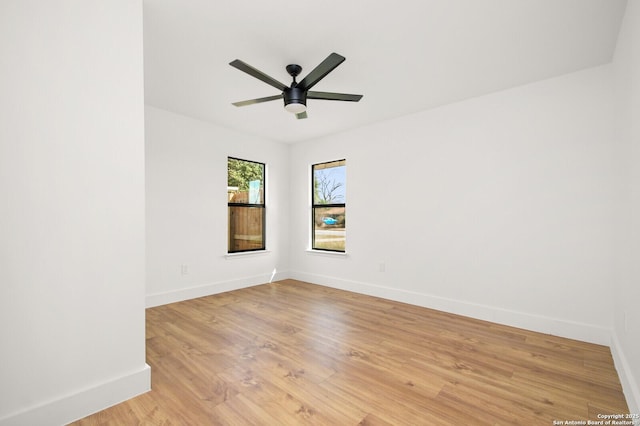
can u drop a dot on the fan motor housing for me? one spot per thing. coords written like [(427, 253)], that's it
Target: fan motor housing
[(294, 95)]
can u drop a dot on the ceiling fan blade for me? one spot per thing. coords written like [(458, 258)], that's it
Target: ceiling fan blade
[(301, 115), (321, 71), (257, 101), (329, 96), (242, 66)]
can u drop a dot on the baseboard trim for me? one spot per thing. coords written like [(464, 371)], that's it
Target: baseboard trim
[(629, 385), (85, 402), (194, 292), (547, 325)]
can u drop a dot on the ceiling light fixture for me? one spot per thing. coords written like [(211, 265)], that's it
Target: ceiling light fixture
[(295, 107), (295, 100)]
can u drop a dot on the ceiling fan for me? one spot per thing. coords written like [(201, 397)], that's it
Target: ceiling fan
[(295, 96)]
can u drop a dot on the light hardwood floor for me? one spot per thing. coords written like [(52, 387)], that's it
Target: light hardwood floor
[(291, 353)]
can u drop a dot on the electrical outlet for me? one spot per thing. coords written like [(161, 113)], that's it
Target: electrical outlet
[(184, 269), (382, 267)]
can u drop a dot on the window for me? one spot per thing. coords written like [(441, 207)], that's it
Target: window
[(328, 186), (245, 190)]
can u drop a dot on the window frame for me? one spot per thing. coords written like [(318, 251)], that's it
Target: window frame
[(314, 206), (262, 206)]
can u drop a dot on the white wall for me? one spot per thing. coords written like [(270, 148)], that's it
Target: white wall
[(72, 212), (499, 207), (626, 342), (187, 212)]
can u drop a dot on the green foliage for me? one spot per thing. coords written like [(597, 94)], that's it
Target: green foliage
[(240, 173)]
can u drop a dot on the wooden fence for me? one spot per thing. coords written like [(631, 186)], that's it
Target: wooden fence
[(245, 225)]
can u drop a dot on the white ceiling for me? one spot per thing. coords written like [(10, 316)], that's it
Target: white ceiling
[(404, 56)]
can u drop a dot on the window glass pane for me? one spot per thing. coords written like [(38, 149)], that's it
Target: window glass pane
[(329, 183), (246, 230), (329, 232), (245, 182)]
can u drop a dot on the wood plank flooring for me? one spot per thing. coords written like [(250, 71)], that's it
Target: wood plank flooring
[(291, 353)]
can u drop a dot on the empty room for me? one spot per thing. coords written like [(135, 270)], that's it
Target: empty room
[(375, 213)]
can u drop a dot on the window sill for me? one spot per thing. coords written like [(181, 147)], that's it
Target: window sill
[(327, 253), (230, 256)]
